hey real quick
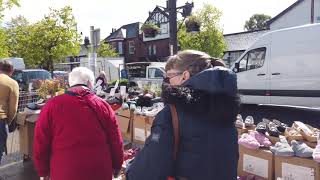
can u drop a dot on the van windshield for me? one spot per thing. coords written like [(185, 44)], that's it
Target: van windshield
[(35, 75)]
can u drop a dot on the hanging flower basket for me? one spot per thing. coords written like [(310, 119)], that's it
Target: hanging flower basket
[(150, 29), (193, 24)]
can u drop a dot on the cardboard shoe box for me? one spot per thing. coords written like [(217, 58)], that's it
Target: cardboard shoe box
[(149, 123), (296, 168), (256, 162), (124, 113), (124, 125), (139, 129)]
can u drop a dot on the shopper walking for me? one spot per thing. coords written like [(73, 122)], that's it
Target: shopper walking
[(77, 135), (205, 97)]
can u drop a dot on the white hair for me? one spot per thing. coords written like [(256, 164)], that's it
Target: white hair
[(81, 75)]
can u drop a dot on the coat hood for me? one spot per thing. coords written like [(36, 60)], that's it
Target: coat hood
[(212, 92)]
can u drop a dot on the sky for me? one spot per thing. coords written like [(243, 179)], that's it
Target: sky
[(108, 14)]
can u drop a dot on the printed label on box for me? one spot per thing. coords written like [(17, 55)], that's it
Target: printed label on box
[(256, 166), (139, 134), (294, 172)]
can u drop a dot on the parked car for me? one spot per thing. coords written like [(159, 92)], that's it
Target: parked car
[(57, 74), (282, 68), (24, 77)]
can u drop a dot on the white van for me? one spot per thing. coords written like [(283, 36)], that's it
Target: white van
[(145, 73), (282, 68), (18, 63)]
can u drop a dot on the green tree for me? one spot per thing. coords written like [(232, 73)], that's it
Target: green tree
[(257, 22), (51, 40), (18, 32), (7, 4), (210, 38), (4, 49), (105, 50)]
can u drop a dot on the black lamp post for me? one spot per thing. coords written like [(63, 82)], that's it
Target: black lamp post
[(173, 9)]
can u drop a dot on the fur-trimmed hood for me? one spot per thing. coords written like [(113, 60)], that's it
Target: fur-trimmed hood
[(212, 92)]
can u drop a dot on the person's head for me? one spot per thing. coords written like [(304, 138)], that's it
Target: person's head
[(103, 75), (81, 76), (6, 67), (185, 64)]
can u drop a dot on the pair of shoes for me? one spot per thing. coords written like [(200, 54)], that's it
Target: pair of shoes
[(270, 126), (254, 140), (282, 148), (248, 141), (297, 148)]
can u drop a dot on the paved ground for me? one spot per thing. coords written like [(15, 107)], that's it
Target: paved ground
[(25, 171), (18, 171)]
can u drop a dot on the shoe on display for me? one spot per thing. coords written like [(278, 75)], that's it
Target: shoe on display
[(138, 110), (248, 141), (282, 148), (281, 126), (239, 122), (316, 152), (261, 127), (249, 121), (301, 149)]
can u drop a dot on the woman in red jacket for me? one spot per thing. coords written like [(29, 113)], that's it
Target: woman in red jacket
[(77, 135)]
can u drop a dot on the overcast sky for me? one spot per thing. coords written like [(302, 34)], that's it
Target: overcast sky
[(108, 14)]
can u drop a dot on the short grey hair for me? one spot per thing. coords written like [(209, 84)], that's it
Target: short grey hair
[(81, 75)]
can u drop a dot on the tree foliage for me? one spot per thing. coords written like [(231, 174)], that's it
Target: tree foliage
[(4, 49), (105, 50), (210, 38), (257, 22), (5, 4), (47, 41)]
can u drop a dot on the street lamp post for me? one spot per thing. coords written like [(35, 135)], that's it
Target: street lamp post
[(173, 9), (172, 6)]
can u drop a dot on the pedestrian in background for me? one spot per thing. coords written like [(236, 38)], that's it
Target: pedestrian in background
[(102, 81), (204, 94), (9, 97), (77, 135)]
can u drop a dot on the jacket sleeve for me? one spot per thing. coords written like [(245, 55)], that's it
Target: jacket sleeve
[(114, 138), (13, 102), (42, 142), (155, 160)]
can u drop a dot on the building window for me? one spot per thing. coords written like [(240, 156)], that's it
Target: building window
[(131, 47), (120, 48), (150, 50), (154, 49), (164, 28)]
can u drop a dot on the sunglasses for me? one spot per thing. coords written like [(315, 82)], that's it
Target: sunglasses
[(169, 76)]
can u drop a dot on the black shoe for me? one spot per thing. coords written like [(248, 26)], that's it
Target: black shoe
[(281, 126), (272, 129), (261, 127)]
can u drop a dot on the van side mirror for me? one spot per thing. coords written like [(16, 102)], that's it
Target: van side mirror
[(236, 67)]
